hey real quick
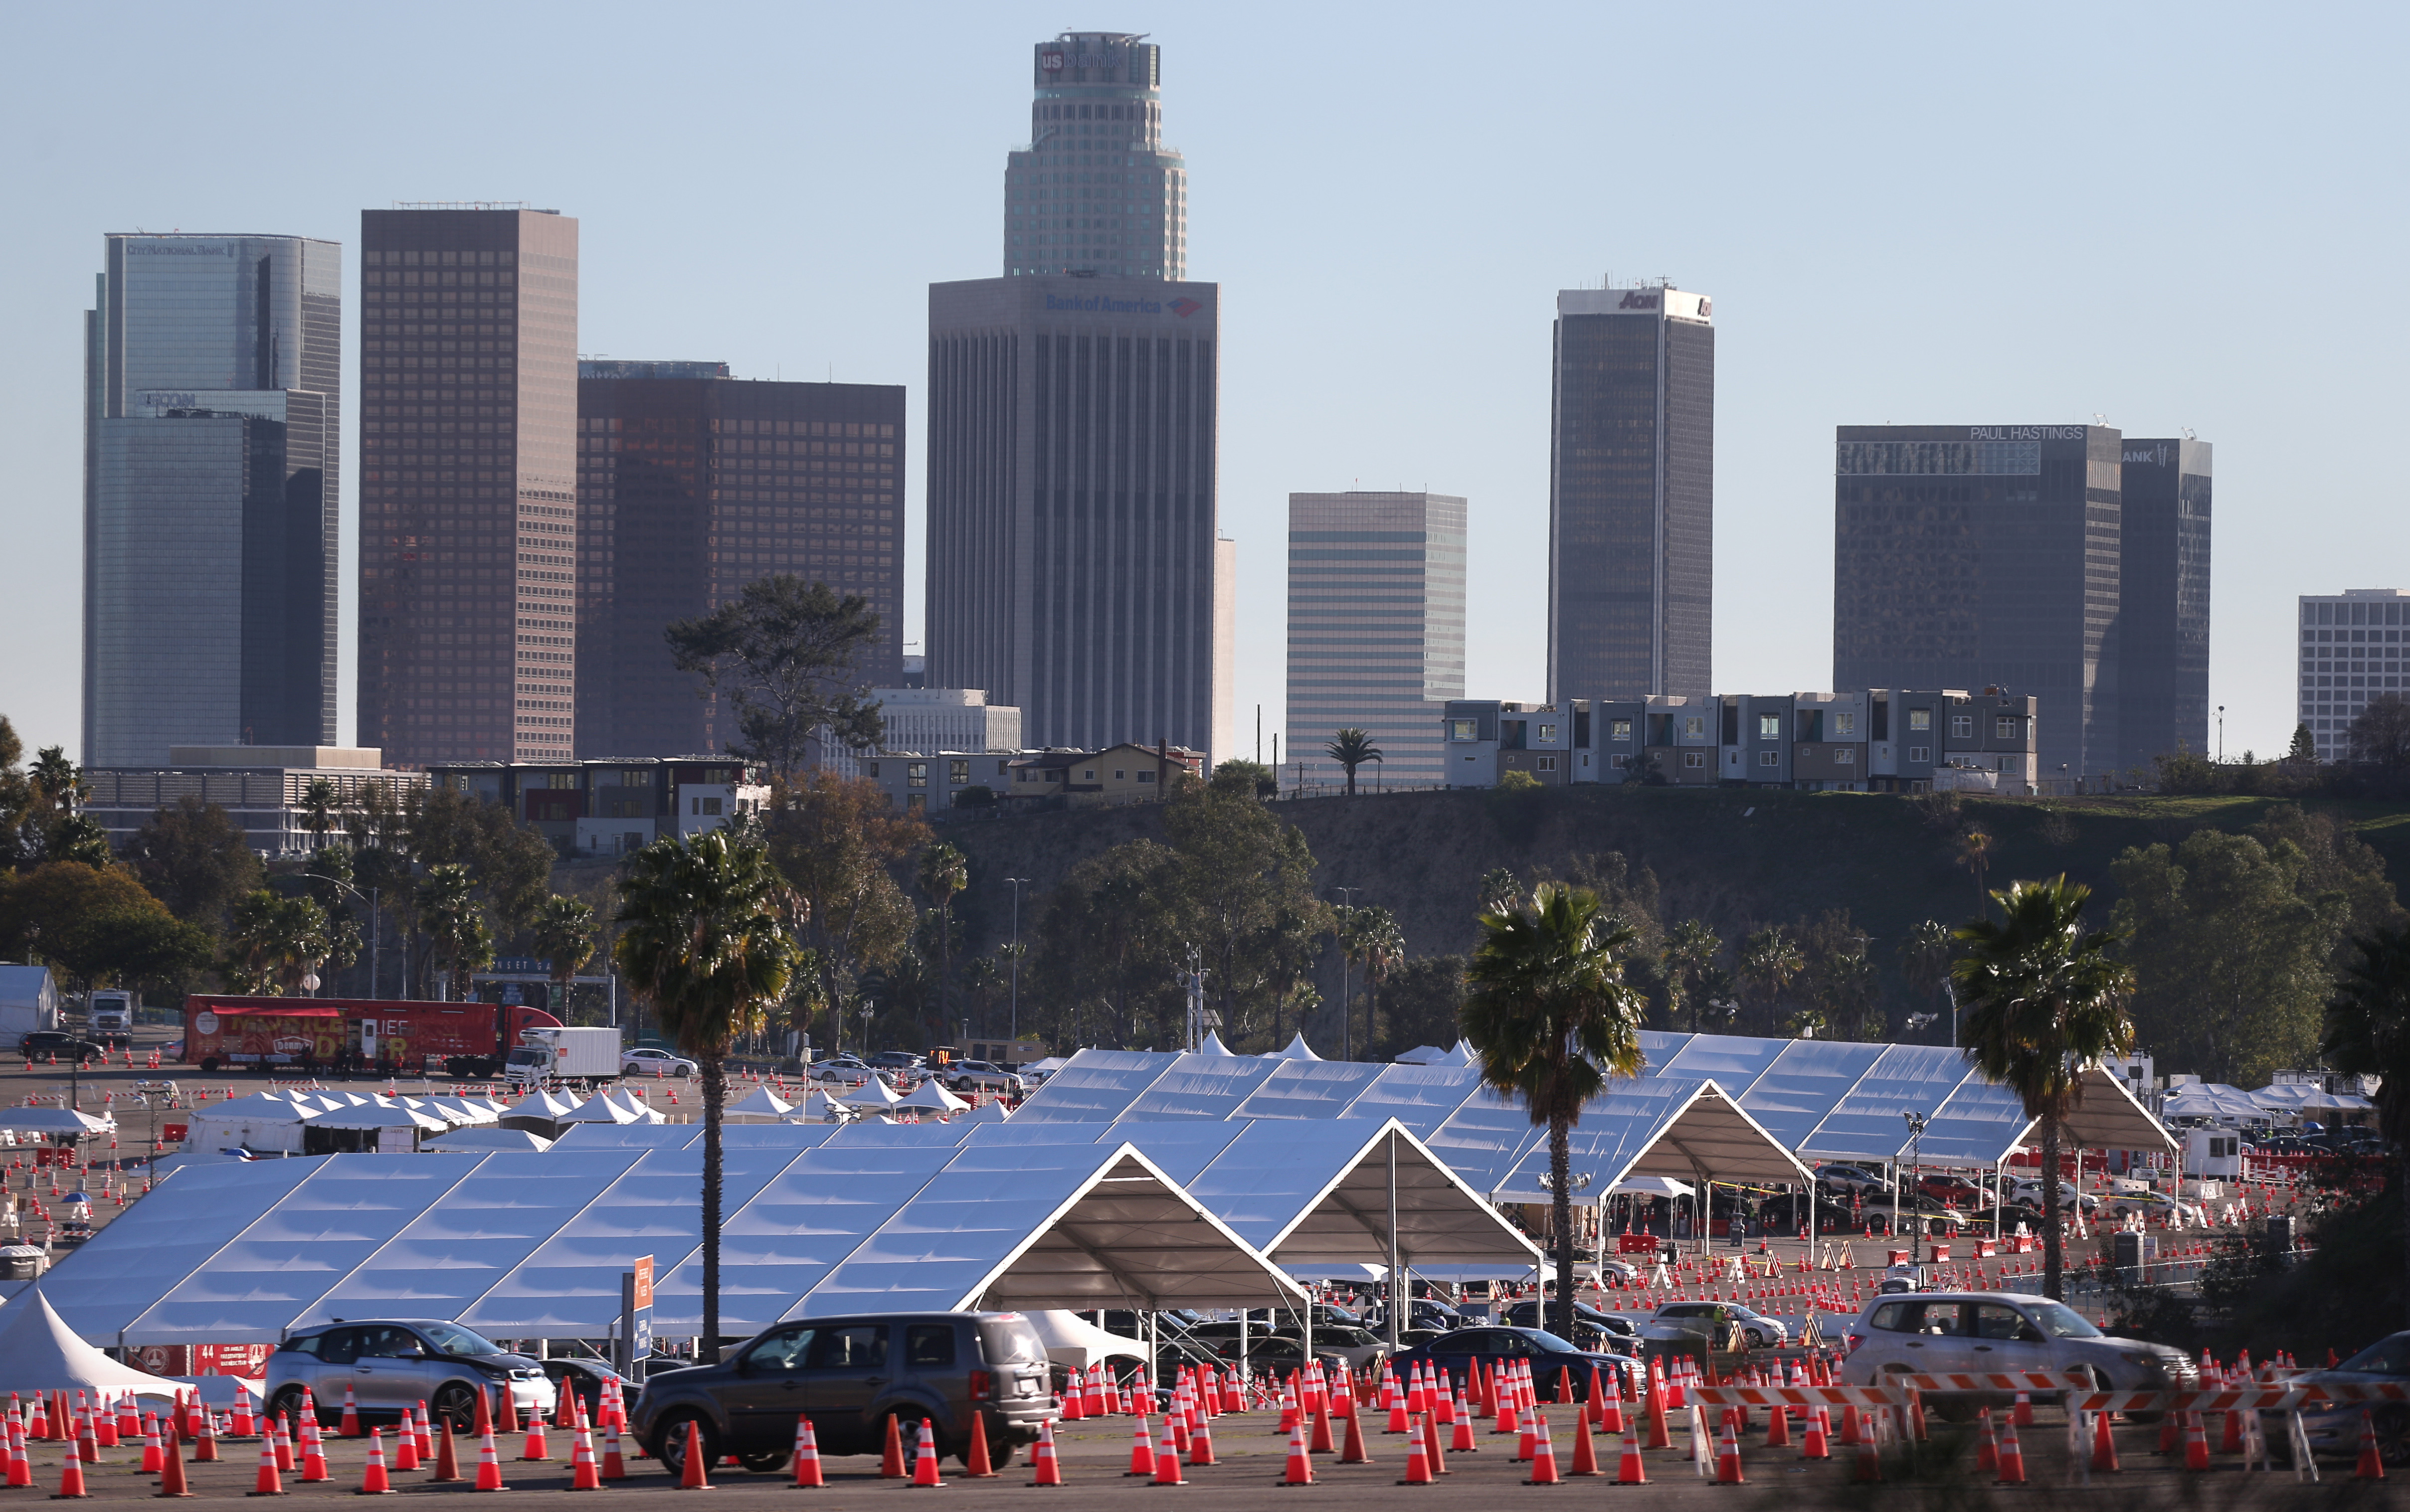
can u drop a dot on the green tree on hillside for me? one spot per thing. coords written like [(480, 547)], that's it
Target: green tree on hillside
[(1421, 1004), (1243, 895), (1925, 953), (273, 942), (1352, 748), (194, 858), (1770, 960), (2367, 1033), (943, 872), (1691, 950), (563, 939), (785, 656), (836, 840), (1237, 778), (1102, 954), (454, 920), (97, 924)]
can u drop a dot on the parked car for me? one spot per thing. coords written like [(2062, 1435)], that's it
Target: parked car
[(1279, 1353), (585, 1377), (53, 1042), (1749, 1326), (1534, 1313), (2121, 1205), (1544, 1352), (1850, 1178), (647, 1061), (849, 1374), (839, 1071), (2028, 1191), (1951, 1192), (2333, 1427), (983, 1076), (894, 1060), (389, 1365), (1939, 1333)]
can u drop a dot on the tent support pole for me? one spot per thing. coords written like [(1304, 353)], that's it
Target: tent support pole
[(1400, 1287)]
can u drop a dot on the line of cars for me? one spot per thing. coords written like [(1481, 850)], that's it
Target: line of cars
[(903, 1070)]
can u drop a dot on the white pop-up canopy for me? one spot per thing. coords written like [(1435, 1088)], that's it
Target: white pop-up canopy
[(53, 1121), (761, 1103), (39, 1352), (379, 1114), (1213, 1046), (873, 1093), (1296, 1049), (932, 1095)]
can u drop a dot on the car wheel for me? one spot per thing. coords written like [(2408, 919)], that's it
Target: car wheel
[(2393, 1435), (764, 1461), (1756, 1339), (456, 1403), (289, 1402), (669, 1442)]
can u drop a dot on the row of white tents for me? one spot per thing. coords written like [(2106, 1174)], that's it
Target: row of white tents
[(276, 1121), (2231, 1105)]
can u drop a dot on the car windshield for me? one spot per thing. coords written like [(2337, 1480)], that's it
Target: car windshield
[(455, 1340), (2062, 1322), (1550, 1343), (2386, 1357)]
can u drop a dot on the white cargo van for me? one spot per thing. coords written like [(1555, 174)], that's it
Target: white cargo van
[(563, 1054)]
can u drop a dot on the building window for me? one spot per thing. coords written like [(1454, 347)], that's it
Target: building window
[(1089, 775), (1694, 759), (1769, 758), (1769, 726), (958, 772), (870, 768), (1846, 755), (1143, 776), (1054, 774), (1844, 723), (1547, 734), (1120, 775), (2005, 726), (1694, 725), (1619, 730), (916, 774), (1920, 720), (1463, 729), (1619, 762), (1961, 727), (1546, 763), (1920, 752)]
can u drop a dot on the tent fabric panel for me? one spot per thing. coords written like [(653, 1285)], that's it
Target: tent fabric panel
[(806, 1220), (1869, 1121), (1095, 1086), (1732, 1061), (1201, 1086), (1309, 1090), (1181, 1149), (1482, 1139), (1335, 1195), (2108, 1118), (603, 1136), (128, 1267), (1805, 1081), (1419, 1097)]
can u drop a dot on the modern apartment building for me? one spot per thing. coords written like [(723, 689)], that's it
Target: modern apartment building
[(2163, 619), (1991, 553), (613, 806), (2350, 651), (945, 719), (1095, 192), (692, 484), (1375, 629), (1877, 739), (1632, 489), (468, 484), (212, 442), (265, 788)]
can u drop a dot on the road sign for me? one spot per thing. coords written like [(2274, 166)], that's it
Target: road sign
[(635, 1315)]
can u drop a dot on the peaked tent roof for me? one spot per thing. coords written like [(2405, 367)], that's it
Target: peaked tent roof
[(933, 1094), (759, 1103), (39, 1352), (1296, 1049), (1213, 1046)]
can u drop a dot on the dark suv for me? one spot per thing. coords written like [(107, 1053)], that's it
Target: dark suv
[(51, 1042), (850, 1375)]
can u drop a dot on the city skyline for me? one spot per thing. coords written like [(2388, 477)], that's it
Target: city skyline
[(1307, 311)]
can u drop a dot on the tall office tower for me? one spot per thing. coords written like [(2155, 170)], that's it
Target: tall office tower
[(1095, 192), (2350, 651), (468, 484), (692, 484), (1632, 495), (2163, 621), (1973, 555), (1375, 629), (1075, 568), (212, 420)]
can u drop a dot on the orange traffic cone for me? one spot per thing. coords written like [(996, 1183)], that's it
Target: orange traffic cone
[(2021, 1415), (535, 1447), (2371, 1465), (2196, 1443), (314, 1451), (270, 1483), (924, 1458), (405, 1442), (615, 1467), (976, 1465), (71, 1479), (447, 1456), (1300, 1464), (171, 1470), (808, 1453), (1353, 1452), (1630, 1470), (489, 1465), (1728, 1458), (1987, 1448), (1462, 1442), (510, 1416), (890, 1456), (1141, 1460), (1430, 1437), (1320, 1440), (1166, 1464), (1543, 1456), (1201, 1443), (21, 1467), (373, 1481), (693, 1477), (582, 1473), (1418, 1463), (2013, 1455), (150, 1432), (1042, 1460), (350, 1426), (1778, 1427), (2104, 1444), (1585, 1453)]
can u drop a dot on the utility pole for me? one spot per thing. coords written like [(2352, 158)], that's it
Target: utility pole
[(1018, 882), (1347, 1015)]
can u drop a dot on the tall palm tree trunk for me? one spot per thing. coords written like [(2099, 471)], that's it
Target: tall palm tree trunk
[(2054, 1249), (715, 1097), (1560, 1214)]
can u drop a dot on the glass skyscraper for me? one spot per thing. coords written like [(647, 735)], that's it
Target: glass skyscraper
[(468, 484), (1375, 630), (1095, 192), (2163, 621), (2351, 651), (212, 437), (1632, 494)]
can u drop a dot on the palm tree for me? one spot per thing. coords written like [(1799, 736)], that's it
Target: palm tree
[(564, 937), (272, 942), (1770, 958), (454, 923), (2042, 997), (1350, 748), (1926, 953), (2367, 1034), (318, 805), (943, 873), (1550, 1019), (1385, 950), (1691, 947), (1498, 893), (704, 943), (1975, 848)]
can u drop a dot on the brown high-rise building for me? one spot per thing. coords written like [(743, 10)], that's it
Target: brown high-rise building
[(468, 484), (692, 484)]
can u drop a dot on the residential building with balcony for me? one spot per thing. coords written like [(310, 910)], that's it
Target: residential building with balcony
[(612, 805)]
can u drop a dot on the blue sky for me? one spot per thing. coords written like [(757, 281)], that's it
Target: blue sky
[(2171, 216)]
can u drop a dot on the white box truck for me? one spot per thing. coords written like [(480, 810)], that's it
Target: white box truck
[(29, 1001), (563, 1054), (109, 1015)]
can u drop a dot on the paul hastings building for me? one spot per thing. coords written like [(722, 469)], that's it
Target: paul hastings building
[(1075, 566)]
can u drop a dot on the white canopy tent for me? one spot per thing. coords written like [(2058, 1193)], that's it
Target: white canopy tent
[(379, 1114), (932, 1096), (761, 1105), (818, 1107), (39, 1352), (533, 1245), (1296, 1049), (874, 1095), (53, 1121), (485, 1141), (1212, 1046), (262, 1121)]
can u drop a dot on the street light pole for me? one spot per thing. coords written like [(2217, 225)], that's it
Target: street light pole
[(1018, 882), (1346, 1045)]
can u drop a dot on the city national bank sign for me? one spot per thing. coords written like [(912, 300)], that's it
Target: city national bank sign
[(1098, 304)]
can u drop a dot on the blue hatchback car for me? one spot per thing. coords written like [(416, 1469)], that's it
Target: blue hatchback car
[(1542, 1351)]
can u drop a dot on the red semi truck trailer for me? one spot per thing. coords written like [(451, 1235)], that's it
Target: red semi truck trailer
[(460, 1039)]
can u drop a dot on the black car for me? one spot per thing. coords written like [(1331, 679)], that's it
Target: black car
[(51, 1042), (1278, 1354), (585, 1377), (1601, 1332), (1544, 1352), (849, 1374), (2333, 1427)]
